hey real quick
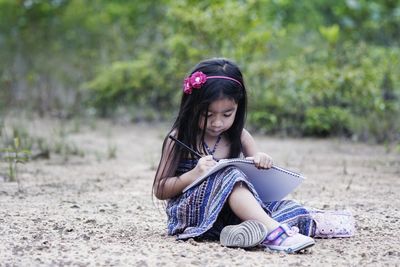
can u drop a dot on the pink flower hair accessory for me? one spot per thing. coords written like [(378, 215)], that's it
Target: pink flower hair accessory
[(197, 79)]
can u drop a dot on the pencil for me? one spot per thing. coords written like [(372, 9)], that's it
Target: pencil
[(185, 146)]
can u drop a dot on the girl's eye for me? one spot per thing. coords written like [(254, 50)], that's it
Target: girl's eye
[(206, 115), (228, 115)]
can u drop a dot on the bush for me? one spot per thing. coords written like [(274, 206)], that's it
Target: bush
[(328, 92), (141, 83), (305, 63), (324, 121)]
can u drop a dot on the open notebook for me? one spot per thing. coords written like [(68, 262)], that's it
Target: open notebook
[(271, 184)]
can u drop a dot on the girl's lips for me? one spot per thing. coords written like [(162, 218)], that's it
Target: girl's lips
[(215, 132)]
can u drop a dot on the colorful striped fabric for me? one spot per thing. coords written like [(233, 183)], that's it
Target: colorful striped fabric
[(202, 211)]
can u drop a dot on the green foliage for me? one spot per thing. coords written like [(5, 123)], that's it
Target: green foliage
[(321, 94), (331, 34), (13, 155), (317, 67), (324, 121), (135, 83), (154, 78)]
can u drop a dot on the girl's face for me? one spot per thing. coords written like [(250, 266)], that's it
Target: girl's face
[(220, 116)]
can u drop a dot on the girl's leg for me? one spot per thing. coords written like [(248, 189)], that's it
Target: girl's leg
[(246, 207), (279, 238)]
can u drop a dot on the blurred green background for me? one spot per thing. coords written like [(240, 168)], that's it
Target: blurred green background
[(313, 68)]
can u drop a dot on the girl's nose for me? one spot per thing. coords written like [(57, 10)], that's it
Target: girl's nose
[(216, 123)]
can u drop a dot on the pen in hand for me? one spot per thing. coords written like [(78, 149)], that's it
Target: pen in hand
[(185, 146)]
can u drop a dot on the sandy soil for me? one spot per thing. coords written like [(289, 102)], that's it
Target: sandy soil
[(92, 210)]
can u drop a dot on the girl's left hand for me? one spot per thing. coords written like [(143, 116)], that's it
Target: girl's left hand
[(262, 160)]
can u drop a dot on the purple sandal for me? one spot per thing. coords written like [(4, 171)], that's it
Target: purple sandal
[(287, 239), (331, 224)]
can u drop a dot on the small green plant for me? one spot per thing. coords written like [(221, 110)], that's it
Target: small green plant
[(112, 151), (63, 146), (15, 155), (398, 148)]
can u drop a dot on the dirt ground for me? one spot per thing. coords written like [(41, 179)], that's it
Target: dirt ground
[(97, 210)]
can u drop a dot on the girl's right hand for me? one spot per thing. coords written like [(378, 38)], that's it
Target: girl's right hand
[(205, 164)]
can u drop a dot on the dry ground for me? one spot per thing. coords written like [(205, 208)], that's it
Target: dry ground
[(97, 211)]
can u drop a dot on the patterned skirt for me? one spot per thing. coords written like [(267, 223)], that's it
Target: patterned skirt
[(202, 211)]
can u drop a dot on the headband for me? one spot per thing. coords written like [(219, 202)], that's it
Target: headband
[(197, 79)]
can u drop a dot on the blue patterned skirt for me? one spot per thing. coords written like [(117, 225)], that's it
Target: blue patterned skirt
[(202, 211)]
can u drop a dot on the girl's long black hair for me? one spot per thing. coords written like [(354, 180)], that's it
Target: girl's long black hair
[(195, 105)]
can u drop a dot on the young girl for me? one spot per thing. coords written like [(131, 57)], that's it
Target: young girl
[(226, 206)]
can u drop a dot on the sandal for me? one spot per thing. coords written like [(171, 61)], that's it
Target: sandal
[(287, 239), (331, 224)]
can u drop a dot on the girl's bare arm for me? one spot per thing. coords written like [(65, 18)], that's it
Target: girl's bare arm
[(261, 159), (169, 187)]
